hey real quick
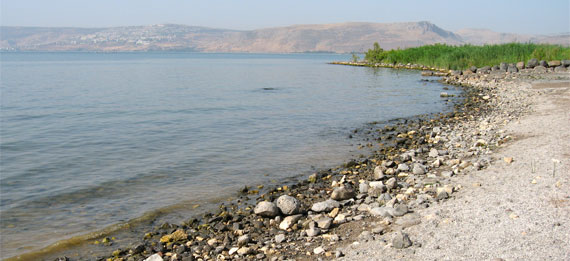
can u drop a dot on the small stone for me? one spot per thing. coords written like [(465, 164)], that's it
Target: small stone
[(342, 193), (363, 188), (233, 250), (313, 231), (508, 159), (380, 211), (400, 210), (266, 209), (243, 240), (418, 169), (288, 205), (279, 238), (289, 221), (324, 222), (378, 173), (480, 142), (391, 183), (403, 167), (433, 153), (401, 241), (540, 69), (365, 236), (442, 195), (338, 254), (244, 251), (318, 250), (325, 206)]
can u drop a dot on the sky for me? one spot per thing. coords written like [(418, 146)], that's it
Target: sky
[(509, 16)]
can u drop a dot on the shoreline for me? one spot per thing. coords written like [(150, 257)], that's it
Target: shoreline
[(236, 232)]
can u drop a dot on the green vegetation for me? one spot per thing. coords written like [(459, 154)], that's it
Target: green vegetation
[(355, 57), (461, 57)]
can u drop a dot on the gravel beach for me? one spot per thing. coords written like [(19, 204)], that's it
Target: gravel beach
[(488, 181), (516, 209)]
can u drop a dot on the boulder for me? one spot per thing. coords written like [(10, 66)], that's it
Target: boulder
[(473, 69), (520, 65), (532, 63), (288, 205), (543, 63), (512, 68), (566, 63), (484, 69), (503, 67), (554, 63), (266, 209), (540, 69), (560, 68)]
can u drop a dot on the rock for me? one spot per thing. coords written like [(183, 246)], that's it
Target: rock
[(520, 65), (444, 94), (363, 188), (565, 63), (403, 167), (399, 210), (480, 142), (313, 231), (244, 251), (178, 235), (401, 241), (318, 250), (532, 63), (378, 173), (484, 70), (419, 169), (540, 69), (427, 73), (433, 153), (155, 257), (456, 73), (340, 219), (338, 254), (279, 238), (244, 240), (289, 221), (473, 69), (325, 206), (312, 178), (391, 183), (409, 220), (543, 63), (266, 209), (233, 250), (503, 67), (442, 195), (365, 236), (447, 174), (324, 222), (288, 205), (554, 63), (342, 193), (560, 69), (380, 211), (512, 68)]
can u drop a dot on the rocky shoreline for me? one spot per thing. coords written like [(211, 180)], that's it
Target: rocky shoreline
[(366, 198)]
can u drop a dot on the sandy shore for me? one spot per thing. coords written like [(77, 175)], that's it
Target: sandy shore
[(517, 210)]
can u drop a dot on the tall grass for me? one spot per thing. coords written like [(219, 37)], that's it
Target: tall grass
[(461, 57)]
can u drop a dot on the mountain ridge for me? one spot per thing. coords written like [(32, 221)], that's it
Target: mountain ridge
[(338, 38)]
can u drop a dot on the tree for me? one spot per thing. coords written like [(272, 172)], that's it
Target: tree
[(355, 57)]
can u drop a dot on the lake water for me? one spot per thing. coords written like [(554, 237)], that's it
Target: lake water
[(89, 140)]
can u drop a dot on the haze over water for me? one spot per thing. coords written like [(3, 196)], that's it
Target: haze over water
[(90, 140)]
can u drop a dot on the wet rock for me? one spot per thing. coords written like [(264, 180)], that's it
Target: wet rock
[(325, 206), (289, 221), (342, 193), (266, 209), (401, 241), (288, 205), (155, 257)]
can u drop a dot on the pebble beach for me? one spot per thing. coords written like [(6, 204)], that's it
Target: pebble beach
[(489, 180)]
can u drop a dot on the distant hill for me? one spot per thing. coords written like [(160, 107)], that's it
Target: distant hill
[(338, 38)]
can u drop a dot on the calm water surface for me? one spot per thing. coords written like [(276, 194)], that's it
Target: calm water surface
[(90, 140)]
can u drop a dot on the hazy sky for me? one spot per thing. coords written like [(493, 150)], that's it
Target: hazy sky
[(522, 16)]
